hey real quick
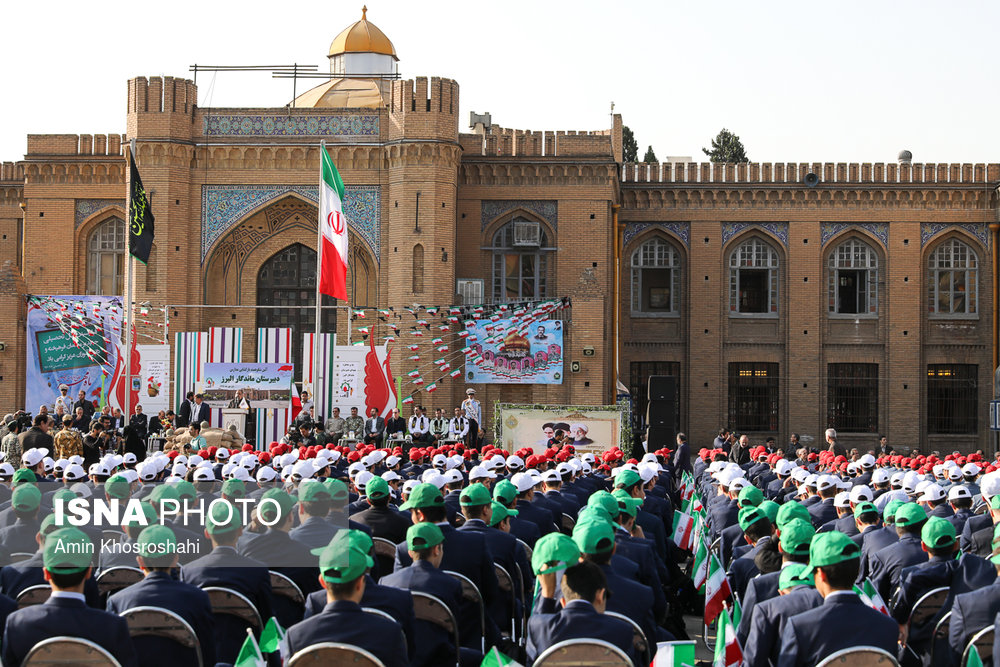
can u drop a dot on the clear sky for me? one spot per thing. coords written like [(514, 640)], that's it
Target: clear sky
[(797, 81)]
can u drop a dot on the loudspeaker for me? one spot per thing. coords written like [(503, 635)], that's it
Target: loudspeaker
[(660, 413), (811, 180), (662, 388), (660, 436)]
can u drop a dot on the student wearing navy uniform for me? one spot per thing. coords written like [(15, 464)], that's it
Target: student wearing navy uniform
[(158, 589), (890, 561), (226, 568), (843, 620), (67, 559), (975, 610), (758, 532), (342, 567), (384, 521), (797, 593), (528, 532), (315, 502)]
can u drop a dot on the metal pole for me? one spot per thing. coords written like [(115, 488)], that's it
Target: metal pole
[(127, 408), (319, 272)]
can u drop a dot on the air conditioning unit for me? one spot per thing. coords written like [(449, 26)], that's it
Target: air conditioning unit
[(471, 291), (527, 233)]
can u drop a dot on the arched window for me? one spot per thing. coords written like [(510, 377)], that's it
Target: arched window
[(288, 278), (953, 280), (656, 278), (853, 282), (753, 279), (106, 258), (418, 269), (520, 261)]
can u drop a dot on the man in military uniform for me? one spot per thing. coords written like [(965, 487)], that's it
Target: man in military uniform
[(68, 441)]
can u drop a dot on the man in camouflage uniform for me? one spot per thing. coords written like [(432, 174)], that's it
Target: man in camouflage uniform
[(11, 444), (68, 441)]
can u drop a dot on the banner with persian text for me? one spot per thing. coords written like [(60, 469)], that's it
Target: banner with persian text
[(262, 385)]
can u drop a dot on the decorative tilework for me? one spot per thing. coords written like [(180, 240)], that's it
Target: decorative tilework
[(778, 229), (879, 230), (87, 207), (224, 206), (282, 125), (681, 229), (547, 210), (929, 230)]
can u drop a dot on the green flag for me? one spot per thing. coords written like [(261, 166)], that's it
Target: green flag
[(974, 659), (250, 655), (140, 216), (273, 638), (497, 659)]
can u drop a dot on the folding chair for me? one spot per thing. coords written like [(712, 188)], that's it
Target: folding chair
[(427, 607), (928, 606), (33, 595), (459, 519), (983, 641), (233, 613), (158, 622), (385, 553), (471, 594), (506, 584), (527, 549), (113, 535), (568, 523), (939, 640), (639, 640), (67, 651), (576, 652), (290, 602), (334, 653), (378, 612), (19, 556), (116, 578), (860, 656), (523, 625)]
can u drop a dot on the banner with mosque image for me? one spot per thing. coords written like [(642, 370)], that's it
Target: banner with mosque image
[(502, 352), (73, 341)]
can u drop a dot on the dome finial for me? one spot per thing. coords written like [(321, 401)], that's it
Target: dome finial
[(364, 12)]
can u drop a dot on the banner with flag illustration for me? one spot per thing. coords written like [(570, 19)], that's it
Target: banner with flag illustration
[(333, 224), (140, 216)]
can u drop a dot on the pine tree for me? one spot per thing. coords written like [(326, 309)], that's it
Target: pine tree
[(726, 147), (650, 156)]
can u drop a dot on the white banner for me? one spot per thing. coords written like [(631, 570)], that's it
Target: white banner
[(154, 387)]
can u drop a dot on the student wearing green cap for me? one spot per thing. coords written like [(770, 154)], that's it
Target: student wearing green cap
[(157, 557), (888, 563), (68, 555), (315, 502), (793, 544), (477, 505), (757, 531), (122, 554), (796, 594), (225, 567), (505, 493), (874, 537), (425, 544), (975, 610), (961, 575), (584, 590), (652, 570), (383, 520), (342, 566), (652, 526), (843, 620), (20, 536), (464, 552)]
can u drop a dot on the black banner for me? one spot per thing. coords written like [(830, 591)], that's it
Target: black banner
[(140, 227)]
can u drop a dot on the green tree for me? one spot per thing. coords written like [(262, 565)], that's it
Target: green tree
[(650, 156), (726, 147), (630, 149)]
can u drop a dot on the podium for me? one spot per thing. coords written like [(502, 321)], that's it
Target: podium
[(237, 417)]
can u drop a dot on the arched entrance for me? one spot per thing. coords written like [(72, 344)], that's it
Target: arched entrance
[(288, 278)]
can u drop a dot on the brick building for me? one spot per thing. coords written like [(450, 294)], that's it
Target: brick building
[(865, 301)]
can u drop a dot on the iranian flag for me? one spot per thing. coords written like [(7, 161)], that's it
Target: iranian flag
[(700, 570), (717, 590), (497, 659), (333, 225), (869, 595), (682, 530), (727, 648)]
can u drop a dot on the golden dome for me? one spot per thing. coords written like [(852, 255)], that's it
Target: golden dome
[(342, 94), (362, 37)]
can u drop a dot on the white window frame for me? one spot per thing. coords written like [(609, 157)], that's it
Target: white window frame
[(946, 259), (853, 255), (656, 253), (110, 231), (755, 253)]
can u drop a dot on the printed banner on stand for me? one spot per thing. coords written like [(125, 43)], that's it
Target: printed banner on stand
[(155, 378), (263, 385), (504, 353), (355, 377), (74, 341), (274, 345)]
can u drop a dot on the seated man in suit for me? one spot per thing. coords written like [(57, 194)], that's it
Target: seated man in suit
[(225, 567), (158, 544), (374, 428), (342, 566), (434, 646), (975, 610), (584, 598), (843, 620), (67, 560)]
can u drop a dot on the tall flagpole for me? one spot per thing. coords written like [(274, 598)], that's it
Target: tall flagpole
[(127, 408), (319, 296)]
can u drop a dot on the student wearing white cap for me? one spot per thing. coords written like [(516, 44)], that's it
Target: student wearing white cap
[(961, 503)]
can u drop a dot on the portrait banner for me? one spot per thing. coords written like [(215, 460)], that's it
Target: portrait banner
[(154, 387), (588, 428), (504, 353), (263, 385)]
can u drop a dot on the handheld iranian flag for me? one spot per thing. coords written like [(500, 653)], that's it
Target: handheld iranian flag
[(683, 525), (700, 571), (250, 655), (870, 596), (497, 659), (333, 225), (272, 639), (727, 648), (974, 660), (717, 590)]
